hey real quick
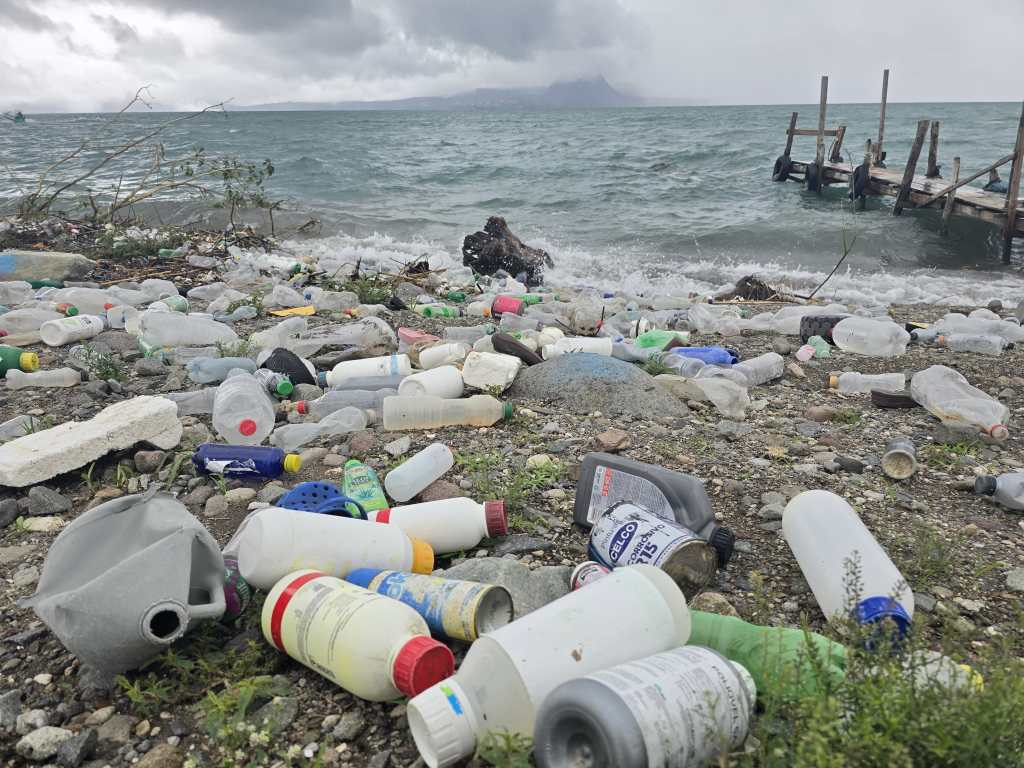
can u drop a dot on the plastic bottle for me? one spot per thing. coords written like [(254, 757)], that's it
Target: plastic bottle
[(443, 354), (1007, 489), (677, 709), (853, 383), (900, 459), (297, 369), (606, 480), (291, 437), (873, 338), (285, 296), (490, 370), (468, 335), (728, 397), (444, 382), (508, 673), (778, 658), (207, 370), (387, 365), (478, 309), (710, 355), (437, 310), (980, 343), (507, 305), (370, 383), (90, 301), (196, 402), (244, 461), (681, 365), (947, 395), (171, 304), (19, 426), (448, 525), (574, 344), (828, 539), (821, 347), (15, 292), (172, 329), (370, 645), (273, 382), (417, 472), (14, 358), (19, 321), (56, 333), (362, 484), (243, 413), (60, 377), (422, 412), (272, 542), (336, 399), (726, 372), (761, 369)]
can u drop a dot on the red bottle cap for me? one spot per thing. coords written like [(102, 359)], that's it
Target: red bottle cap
[(495, 518), (247, 427), (421, 663), (383, 516), (300, 407), (108, 305)]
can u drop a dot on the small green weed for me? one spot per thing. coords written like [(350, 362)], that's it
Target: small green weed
[(87, 477), (505, 750), (371, 289), (123, 475), (102, 366), (847, 416), (947, 456), (39, 424), (655, 367), (179, 458), (224, 719), (932, 554), (240, 348), (493, 479), (255, 301)]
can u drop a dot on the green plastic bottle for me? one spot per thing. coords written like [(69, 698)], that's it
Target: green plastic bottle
[(362, 484), (778, 658), (821, 347), (456, 296), (14, 358), (658, 338), (46, 283)]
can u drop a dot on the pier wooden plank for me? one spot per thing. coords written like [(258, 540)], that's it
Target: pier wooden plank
[(1013, 192), (908, 172), (947, 209)]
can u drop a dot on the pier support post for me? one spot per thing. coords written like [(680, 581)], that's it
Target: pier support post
[(881, 119), (933, 153), (790, 134), (908, 172), (836, 155), (947, 210), (819, 157), (1014, 189)]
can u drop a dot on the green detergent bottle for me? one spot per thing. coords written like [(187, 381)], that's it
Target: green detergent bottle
[(362, 484), (778, 658), (14, 358)]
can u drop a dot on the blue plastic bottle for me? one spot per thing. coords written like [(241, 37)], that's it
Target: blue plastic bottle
[(244, 461), (710, 355)]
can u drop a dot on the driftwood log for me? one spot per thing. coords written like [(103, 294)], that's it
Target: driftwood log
[(749, 288), (496, 248)]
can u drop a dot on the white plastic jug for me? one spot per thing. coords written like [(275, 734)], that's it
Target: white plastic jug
[(443, 354), (948, 396), (631, 613), (386, 365), (448, 525), (444, 382), (56, 333), (243, 413), (489, 371), (417, 472), (422, 412)]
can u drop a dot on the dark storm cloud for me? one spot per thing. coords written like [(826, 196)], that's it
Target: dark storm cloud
[(18, 14)]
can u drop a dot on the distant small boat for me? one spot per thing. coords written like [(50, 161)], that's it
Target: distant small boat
[(17, 117)]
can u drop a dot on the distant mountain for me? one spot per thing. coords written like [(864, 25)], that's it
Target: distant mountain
[(575, 94)]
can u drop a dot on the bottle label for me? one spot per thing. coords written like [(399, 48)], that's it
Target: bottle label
[(628, 534), (614, 485), (449, 606), (689, 703), (231, 467)]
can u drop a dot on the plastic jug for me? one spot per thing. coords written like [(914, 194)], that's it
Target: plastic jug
[(423, 412), (58, 377), (244, 461), (272, 542), (1007, 489), (947, 395), (574, 344), (290, 437), (448, 525), (444, 382), (489, 371), (207, 370), (173, 329), (508, 673), (370, 645), (606, 480), (761, 369), (417, 472), (873, 338), (336, 399), (980, 343), (853, 383), (388, 365), (443, 354), (361, 483), (56, 333), (127, 578), (826, 537), (243, 413), (677, 709), (14, 358)]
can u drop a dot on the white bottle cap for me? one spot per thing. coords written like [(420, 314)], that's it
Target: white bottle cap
[(443, 724)]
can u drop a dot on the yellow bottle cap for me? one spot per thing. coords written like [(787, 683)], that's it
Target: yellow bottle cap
[(833, 382), (28, 361), (292, 462), (422, 556)]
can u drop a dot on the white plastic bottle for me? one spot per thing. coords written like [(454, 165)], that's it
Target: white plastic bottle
[(830, 542), (761, 369), (272, 542), (1007, 489), (195, 402), (56, 333), (386, 365), (443, 354), (676, 709), (416, 473), (873, 338), (573, 344), (173, 329), (336, 399), (372, 646), (853, 383), (468, 335), (207, 370), (422, 412), (444, 382), (947, 395), (278, 335), (507, 674), (60, 377), (243, 413), (979, 343), (19, 321), (448, 525), (291, 437), (490, 370)]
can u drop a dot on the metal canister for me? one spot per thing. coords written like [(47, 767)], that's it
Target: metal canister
[(587, 573), (460, 610), (900, 459), (627, 534)]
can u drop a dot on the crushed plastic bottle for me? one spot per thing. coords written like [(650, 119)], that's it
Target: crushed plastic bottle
[(761, 369), (947, 395), (417, 472), (209, 370), (276, 384), (173, 329), (336, 399), (291, 437), (243, 412), (1007, 489), (278, 335), (853, 383), (872, 338), (422, 412), (195, 402), (59, 377), (979, 343)]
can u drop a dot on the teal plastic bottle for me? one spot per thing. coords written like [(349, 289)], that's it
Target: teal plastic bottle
[(362, 484)]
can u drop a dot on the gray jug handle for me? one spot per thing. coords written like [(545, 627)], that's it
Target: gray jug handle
[(214, 609)]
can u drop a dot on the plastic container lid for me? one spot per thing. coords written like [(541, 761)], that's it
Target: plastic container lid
[(247, 427), (875, 609), (422, 556), (999, 432), (28, 361), (833, 382), (985, 485), (284, 388), (292, 462), (495, 518), (301, 407), (421, 663), (441, 725)]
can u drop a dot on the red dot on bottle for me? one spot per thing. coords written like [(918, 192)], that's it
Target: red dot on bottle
[(247, 427)]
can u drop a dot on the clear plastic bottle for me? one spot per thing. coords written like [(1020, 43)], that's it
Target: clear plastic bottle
[(19, 321), (424, 412), (948, 396), (443, 354), (827, 538), (291, 437), (195, 402), (90, 301), (336, 399), (761, 369), (853, 383), (728, 397), (416, 473), (980, 343), (873, 338), (59, 377), (15, 292), (470, 334), (278, 335), (727, 372), (1007, 489), (243, 412), (207, 370), (274, 383), (370, 383), (575, 344), (682, 365), (173, 329), (285, 296), (17, 427), (386, 365), (444, 381)]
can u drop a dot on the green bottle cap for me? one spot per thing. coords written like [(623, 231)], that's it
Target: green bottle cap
[(285, 388), (507, 411)]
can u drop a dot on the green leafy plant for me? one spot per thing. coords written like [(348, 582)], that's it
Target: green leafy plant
[(87, 477), (655, 367), (123, 475), (505, 750), (847, 416), (493, 479), (101, 365), (240, 348), (39, 424)]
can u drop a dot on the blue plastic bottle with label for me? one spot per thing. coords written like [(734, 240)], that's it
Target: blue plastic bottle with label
[(244, 461)]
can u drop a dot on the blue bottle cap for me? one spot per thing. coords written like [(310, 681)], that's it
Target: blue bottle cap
[(362, 577), (875, 609), (321, 379)]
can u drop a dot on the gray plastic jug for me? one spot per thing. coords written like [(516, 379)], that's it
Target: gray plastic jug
[(128, 578)]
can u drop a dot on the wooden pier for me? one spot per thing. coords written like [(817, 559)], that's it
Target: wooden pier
[(871, 177)]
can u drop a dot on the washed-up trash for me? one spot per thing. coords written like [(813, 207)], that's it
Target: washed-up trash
[(371, 336), (21, 326), (417, 472), (210, 370), (244, 461), (490, 371), (709, 355), (853, 383), (173, 329), (370, 645), (291, 437), (272, 542), (821, 347), (980, 343), (336, 399), (444, 382), (237, 592), (127, 578), (828, 539), (723, 372), (819, 325), (453, 609), (508, 673), (387, 365), (702, 708), (298, 370), (955, 322), (274, 383), (571, 345), (948, 396), (193, 402), (761, 369), (20, 265), (243, 413), (728, 397), (587, 573), (361, 483), (422, 412), (1007, 489), (524, 349), (57, 333), (17, 359), (658, 338), (470, 334), (448, 525), (280, 335), (872, 338), (448, 353), (605, 480), (899, 461), (322, 498), (627, 534), (41, 455)]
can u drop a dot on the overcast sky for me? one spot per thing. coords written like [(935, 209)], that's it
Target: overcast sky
[(88, 55)]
